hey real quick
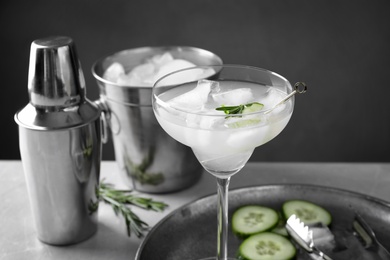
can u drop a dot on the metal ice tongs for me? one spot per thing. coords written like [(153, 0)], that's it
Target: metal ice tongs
[(368, 235), (303, 236)]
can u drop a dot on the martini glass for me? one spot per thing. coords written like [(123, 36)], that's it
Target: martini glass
[(223, 113)]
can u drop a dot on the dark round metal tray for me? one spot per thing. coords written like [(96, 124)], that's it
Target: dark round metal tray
[(190, 232)]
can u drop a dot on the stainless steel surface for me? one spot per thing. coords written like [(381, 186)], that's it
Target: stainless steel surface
[(55, 77), (191, 229), (368, 235), (303, 235), (60, 144), (62, 171), (56, 87), (149, 159)]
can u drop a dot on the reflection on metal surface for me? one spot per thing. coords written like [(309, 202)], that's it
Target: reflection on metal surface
[(198, 220), (149, 159), (140, 172), (60, 144)]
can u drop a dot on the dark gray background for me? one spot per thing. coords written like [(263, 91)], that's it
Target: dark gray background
[(341, 49)]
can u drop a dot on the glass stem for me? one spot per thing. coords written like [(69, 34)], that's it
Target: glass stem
[(223, 187)]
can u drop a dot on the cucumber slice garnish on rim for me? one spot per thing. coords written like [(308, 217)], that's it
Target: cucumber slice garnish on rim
[(307, 212), (252, 219), (266, 246)]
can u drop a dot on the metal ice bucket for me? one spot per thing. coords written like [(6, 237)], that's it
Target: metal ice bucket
[(149, 160)]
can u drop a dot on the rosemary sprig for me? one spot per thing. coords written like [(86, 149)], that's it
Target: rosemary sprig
[(231, 110), (121, 199)]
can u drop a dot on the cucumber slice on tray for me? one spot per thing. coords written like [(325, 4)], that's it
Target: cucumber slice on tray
[(252, 219), (264, 231), (266, 246), (307, 212), (280, 228)]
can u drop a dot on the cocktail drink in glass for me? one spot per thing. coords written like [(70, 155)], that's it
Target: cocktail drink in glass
[(223, 113)]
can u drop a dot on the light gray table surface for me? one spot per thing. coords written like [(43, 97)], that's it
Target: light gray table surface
[(17, 232)]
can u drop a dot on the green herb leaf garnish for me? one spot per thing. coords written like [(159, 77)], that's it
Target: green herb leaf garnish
[(232, 110), (120, 200)]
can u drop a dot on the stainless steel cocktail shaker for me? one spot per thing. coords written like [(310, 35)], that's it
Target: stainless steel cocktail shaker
[(60, 144)]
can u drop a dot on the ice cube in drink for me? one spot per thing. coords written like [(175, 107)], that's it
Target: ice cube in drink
[(233, 97), (218, 137)]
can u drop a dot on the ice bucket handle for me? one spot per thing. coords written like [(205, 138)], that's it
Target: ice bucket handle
[(103, 118)]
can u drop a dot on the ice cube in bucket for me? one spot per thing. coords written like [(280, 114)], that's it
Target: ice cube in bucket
[(148, 159)]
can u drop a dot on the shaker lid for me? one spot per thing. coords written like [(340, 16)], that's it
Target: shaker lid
[(56, 87), (37, 119)]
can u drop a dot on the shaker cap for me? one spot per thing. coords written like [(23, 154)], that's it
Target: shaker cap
[(55, 77), (56, 87)]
